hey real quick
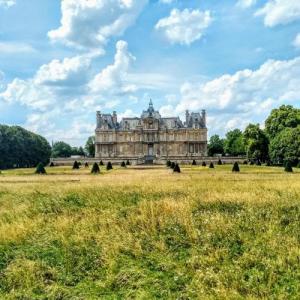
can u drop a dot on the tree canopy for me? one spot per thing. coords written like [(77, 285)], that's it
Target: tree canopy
[(61, 149), (256, 142), (90, 146), (215, 145), (234, 143), (22, 148), (285, 146), (286, 116)]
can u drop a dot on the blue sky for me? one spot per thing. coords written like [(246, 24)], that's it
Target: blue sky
[(61, 60)]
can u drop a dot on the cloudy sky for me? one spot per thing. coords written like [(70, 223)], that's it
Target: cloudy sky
[(61, 60)]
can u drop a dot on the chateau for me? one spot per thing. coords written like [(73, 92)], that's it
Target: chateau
[(151, 138)]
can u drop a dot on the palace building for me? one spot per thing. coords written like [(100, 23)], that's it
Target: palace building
[(151, 138)]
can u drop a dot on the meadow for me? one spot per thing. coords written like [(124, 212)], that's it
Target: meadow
[(150, 234)]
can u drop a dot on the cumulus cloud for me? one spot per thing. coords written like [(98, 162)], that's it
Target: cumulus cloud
[(66, 89), (51, 83), (1, 80), (76, 132), (246, 3), (184, 27), (296, 42), (166, 1), (66, 72), (89, 24), (27, 93), (274, 82), (15, 48), (7, 3), (248, 95), (113, 77), (276, 12)]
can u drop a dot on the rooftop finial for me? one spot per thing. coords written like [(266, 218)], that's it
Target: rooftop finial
[(150, 109)]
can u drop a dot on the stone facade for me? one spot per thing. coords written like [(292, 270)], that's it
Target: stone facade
[(151, 137)]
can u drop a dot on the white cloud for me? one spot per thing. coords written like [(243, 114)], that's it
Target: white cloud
[(246, 3), (66, 72), (15, 48), (75, 133), (1, 80), (184, 27), (166, 1), (51, 84), (128, 113), (27, 93), (296, 42), (89, 24), (7, 3), (245, 95), (62, 89), (167, 111), (112, 78), (276, 12)]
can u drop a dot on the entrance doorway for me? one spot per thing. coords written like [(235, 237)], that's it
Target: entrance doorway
[(150, 149)]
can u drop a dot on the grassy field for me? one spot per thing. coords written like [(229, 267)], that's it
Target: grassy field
[(150, 234)]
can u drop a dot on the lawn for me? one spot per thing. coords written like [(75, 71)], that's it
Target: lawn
[(150, 234)]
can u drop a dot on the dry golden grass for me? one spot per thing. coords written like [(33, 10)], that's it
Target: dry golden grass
[(146, 234)]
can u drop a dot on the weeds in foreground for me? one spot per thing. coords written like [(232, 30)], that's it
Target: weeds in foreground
[(149, 234)]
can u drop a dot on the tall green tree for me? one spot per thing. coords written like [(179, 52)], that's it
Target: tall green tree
[(78, 151), (285, 146), (22, 148), (234, 143), (215, 145), (286, 116), (90, 146), (61, 149), (256, 142)]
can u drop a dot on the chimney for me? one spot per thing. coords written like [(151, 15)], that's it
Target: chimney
[(203, 114), (98, 119), (115, 117), (187, 117)]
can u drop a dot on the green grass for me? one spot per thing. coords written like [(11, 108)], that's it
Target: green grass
[(150, 234)]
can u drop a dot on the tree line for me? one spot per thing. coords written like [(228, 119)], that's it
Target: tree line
[(278, 142), (62, 149), (20, 148)]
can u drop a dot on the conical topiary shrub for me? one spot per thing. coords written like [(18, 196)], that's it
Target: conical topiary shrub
[(51, 164), (251, 162), (86, 165), (220, 162), (268, 164), (288, 167), (101, 163), (75, 165), (127, 163), (194, 163), (109, 166), (235, 167), (123, 165), (40, 169), (172, 165), (168, 163), (245, 162), (211, 165), (204, 164), (176, 169), (95, 169)]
